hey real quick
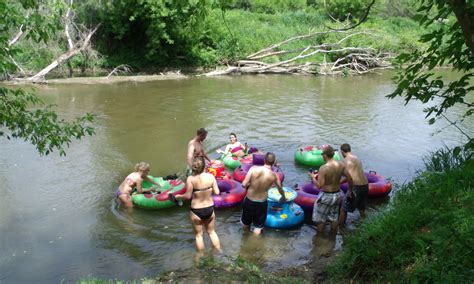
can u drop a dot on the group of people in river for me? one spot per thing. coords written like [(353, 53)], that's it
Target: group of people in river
[(200, 186)]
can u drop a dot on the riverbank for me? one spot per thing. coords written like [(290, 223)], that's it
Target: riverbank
[(423, 235)]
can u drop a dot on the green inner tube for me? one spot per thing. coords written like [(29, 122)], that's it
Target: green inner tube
[(313, 158), (230, 161), (158, 201)]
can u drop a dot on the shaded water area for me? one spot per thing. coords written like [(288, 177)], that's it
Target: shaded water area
[(58, 217)]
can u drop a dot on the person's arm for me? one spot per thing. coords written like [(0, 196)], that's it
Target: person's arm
[(226, 150), (140, 188), (280, 188), (350, 181), (314, 177), (320, 178), (205, 156), (190, 155), (153, 182), (246, 182), (215, 188), (189, 190)]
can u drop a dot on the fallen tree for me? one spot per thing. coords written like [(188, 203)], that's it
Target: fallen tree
[(278, 58)]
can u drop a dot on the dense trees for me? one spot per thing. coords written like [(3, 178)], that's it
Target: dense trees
[(41, 126)]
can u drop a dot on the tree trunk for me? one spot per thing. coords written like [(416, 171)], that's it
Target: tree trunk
[(465, 18)]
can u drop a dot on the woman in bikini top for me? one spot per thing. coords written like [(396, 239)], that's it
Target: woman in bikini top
[(200, 187), (235, 148), (134, 180)]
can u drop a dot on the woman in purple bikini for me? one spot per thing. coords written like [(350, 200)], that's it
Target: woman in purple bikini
[(134, 180)]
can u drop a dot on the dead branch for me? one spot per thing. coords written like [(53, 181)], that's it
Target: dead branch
[(349, 59), (122, 68), (64, 57), (16, 37), (364, 17)]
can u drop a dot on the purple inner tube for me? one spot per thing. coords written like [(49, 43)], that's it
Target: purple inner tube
[(258, 159)]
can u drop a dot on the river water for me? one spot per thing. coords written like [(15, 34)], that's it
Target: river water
[(58, 217)]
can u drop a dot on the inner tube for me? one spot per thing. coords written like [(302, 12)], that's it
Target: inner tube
[(283, 215), (158, 201), (231, 193), (217, 169), (241, 172), (230, 162), (307, 196), (233, 162), (379, 186), (312, 156)]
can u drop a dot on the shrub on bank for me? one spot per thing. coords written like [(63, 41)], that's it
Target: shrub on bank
[(424, 235)]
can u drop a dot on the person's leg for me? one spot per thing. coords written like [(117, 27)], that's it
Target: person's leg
[(320, 226), (260, 217), (198, 231), (210, 227), (126, 200), (342, 217), (246, 218)]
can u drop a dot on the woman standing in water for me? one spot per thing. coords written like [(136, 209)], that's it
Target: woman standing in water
[(200, 187), (134, 179), (235, 148)]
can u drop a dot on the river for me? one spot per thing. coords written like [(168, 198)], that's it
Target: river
[(58, 217)]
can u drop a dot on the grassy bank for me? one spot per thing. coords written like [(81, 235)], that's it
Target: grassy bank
[(424, 235)]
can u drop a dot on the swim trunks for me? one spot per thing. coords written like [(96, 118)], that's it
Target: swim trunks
[(360, 194), (254, 212), (326, 207)]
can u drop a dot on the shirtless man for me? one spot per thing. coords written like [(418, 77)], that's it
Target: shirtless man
[(356, 198), (258, 181), (326, 207), (196, 149)]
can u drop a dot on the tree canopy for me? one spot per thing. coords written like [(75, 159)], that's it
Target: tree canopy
[(22, 114), (450, 40)]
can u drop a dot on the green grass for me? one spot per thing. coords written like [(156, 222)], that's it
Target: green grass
[(424, 235)]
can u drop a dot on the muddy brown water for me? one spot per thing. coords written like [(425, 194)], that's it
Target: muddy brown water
[(58, 217)]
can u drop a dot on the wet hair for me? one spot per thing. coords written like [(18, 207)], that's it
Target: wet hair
[(270, 158), (198, 165), (142, 166), (232, 133), (328, 151), (345, 148), (201, 131)]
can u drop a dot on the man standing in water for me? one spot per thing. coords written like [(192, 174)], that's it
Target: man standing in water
[(326, 207), (258, 181), (196, 149), (356, 198)]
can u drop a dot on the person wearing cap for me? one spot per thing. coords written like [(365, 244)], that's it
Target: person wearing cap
[(356, 198), (257, 182), (196, 149), (328, 179)]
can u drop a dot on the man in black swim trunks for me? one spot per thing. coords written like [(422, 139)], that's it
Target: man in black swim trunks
[(356, 198), (258, 181)]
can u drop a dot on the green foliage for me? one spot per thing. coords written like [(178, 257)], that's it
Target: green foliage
[(162, 31), (343, 10), (40, 127), (445, 44), (425, 235)]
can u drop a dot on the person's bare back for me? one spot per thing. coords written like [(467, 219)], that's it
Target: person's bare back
[(330, 176), (355, 170), (260, 179)]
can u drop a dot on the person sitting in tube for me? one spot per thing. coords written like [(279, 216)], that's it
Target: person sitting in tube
[(135, 180), (235, 148)]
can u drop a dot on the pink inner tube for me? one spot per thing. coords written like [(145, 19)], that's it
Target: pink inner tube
[(307, 194), (231, 193), (378, 185), (241, 172)]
